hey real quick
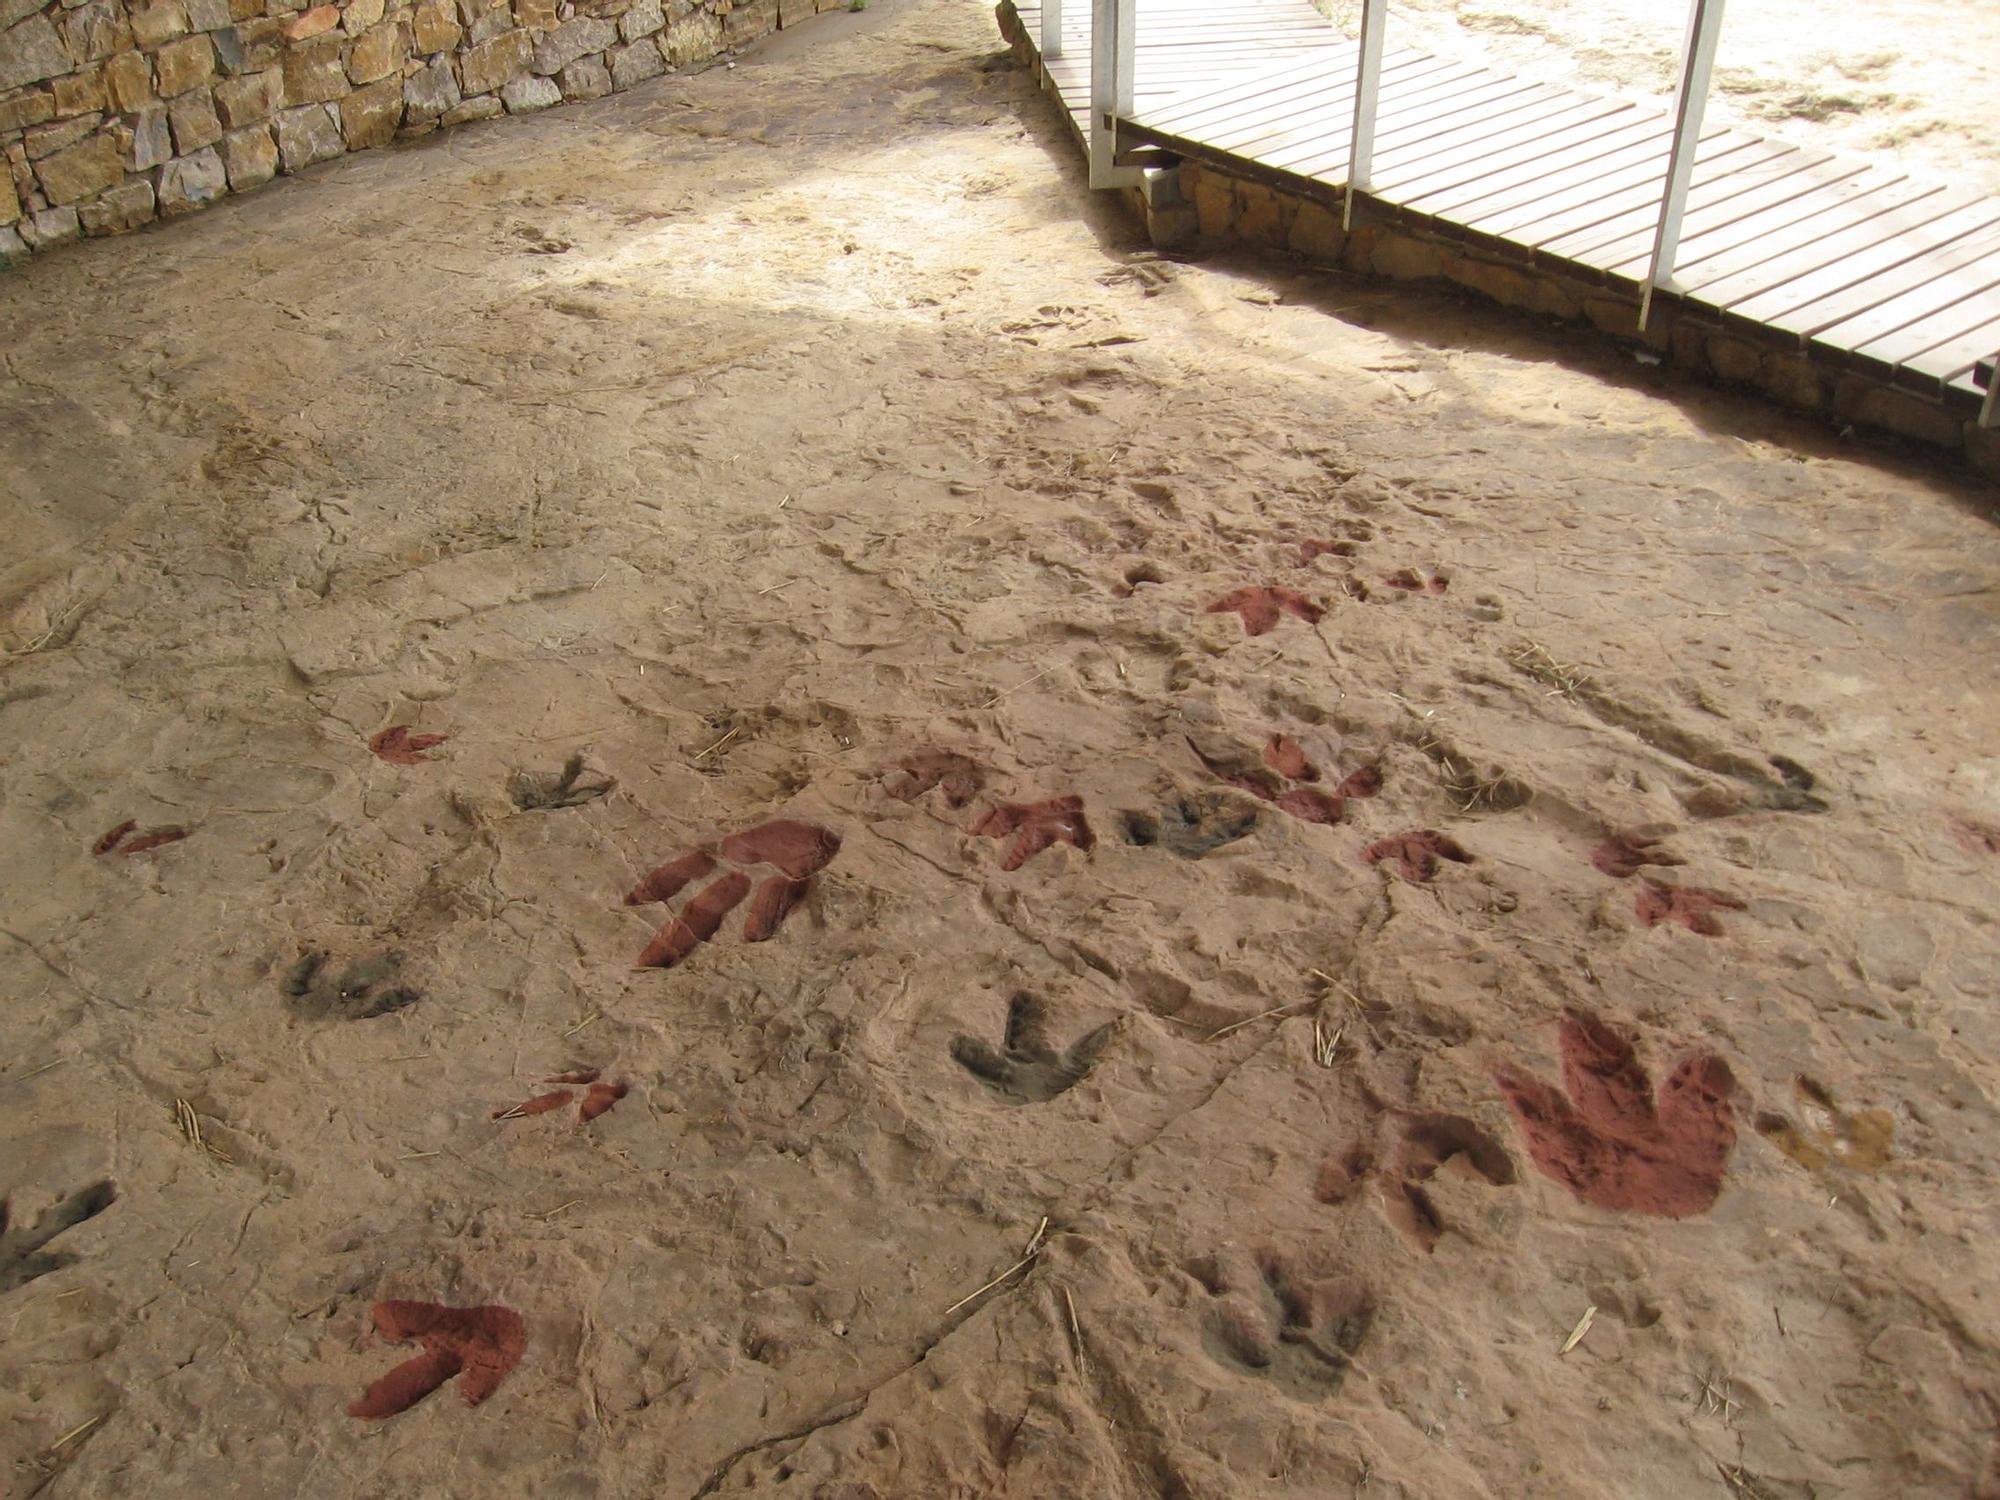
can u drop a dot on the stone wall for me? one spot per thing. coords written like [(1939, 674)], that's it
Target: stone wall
[(113, 112)]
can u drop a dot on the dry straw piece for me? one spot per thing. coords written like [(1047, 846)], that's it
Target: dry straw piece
[(1582, 1327)]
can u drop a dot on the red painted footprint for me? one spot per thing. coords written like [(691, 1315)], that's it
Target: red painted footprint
[(1416, 854), (119, 840), (797, 850), (481, 1344), (599, 1098), (1609, 1141), (1035, 826), (1687, 906), (1287, 762), (399, 747), (1260, 608), (1622, 855), (959, 778)]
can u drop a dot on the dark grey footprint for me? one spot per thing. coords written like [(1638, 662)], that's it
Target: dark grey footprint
[(1191, 824), (1027, 1068), (22, 1257), (543, 791), (362, 990)]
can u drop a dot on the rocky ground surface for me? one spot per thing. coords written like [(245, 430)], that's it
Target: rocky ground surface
[(1248, 883)]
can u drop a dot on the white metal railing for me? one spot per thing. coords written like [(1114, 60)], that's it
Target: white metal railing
[(1367, 89), (1051, 29), (1113, 52)]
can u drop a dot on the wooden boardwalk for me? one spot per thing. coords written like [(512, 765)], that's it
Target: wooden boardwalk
[(1862, 267)]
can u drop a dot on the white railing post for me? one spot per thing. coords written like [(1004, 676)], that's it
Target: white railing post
[(1113, 53), (1697, 64), (1989, 411), (1367, 86), (1051, 29)]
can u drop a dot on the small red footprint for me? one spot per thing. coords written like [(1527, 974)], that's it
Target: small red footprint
[(1036, 826), (597, 1101), (959, 778), (1283, 755), (1607, 1139), (1623, 854), (798, 850), (1977, 838), (116, 840), (1416, 854), (1412, 582), (1311, 548), (399, 747), (482, 1344), (1363, 783), (1287, 759), (1689, 906), (1261, 607)]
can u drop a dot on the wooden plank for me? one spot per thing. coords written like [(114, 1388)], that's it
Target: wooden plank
[(1758, 195), (1591, 193), (1209, 117), (1430, 127), (1959, 354), (1931, 283), (1397, 107), (1525, 172), (1846, 284), (1324, 112), (1477, 159), (1468, 112), (1850, 225), (1826, 205), (1840, 261), (1718, 179)]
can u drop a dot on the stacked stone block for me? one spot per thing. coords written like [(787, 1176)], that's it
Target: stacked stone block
[(114, 112)]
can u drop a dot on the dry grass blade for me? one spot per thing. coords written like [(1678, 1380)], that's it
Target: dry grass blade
[(1563, 679), (1265, 1015), (704, 754), (1326, 1044), (1075, 1330), (588, 1020), (548, 1214), (75, 1432), (1027, 1257), (190, 1124), (1582, 1327), (1019, 685)]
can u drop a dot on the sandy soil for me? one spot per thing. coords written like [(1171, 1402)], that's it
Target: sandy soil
[(797, 442), (1907, 83)]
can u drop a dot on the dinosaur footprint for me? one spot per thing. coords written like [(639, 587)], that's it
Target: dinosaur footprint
[(1284, 763), (1426, 1144), (399, 747), (1191, 824), (1609, 1141), (959, 778), (1272, 1320), (482, 1344), (797, 850), (538, 791), (359, 992), (597, 1100), (1260, 608), (1684, 906), (1027, 1068), (22, 1257), (1830, 1137), (1035, 826), (1416, 854)]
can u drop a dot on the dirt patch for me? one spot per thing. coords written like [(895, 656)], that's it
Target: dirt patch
[(819, 546)]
